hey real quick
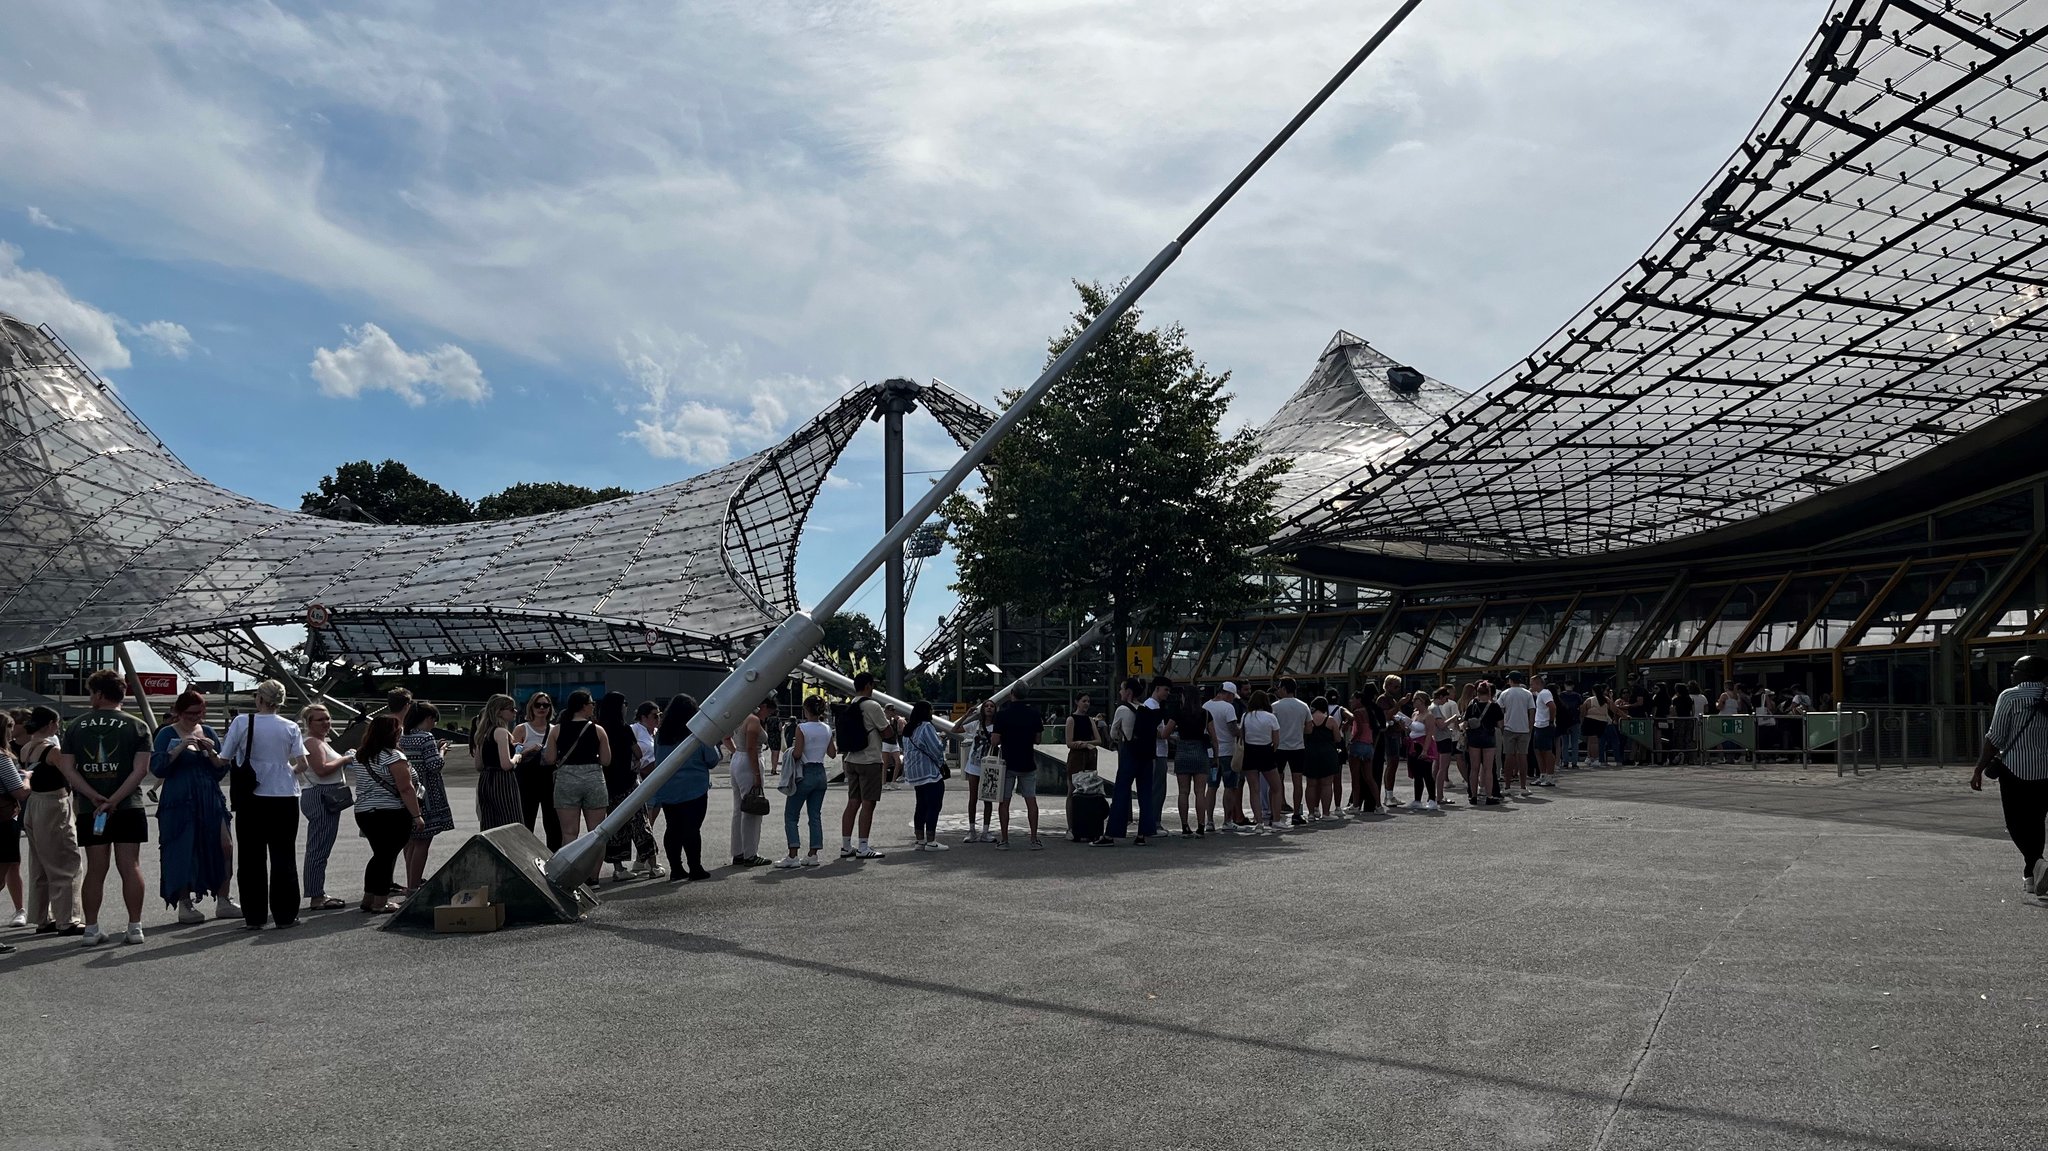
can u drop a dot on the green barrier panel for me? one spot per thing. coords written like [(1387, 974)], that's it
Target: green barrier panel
[(1825, 728), (1739, 730), (1641, 732)]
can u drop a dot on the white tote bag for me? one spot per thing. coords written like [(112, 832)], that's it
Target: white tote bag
[(992, 778)]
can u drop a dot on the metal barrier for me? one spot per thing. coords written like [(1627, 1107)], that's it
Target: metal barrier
[(1950, 734), (1839, 737)]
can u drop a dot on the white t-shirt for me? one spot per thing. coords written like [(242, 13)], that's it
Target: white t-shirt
[(1223, 715), (1292, 715), (1259, 728), (1446, 714), (645, 739), (278, 742), (1159, 745), (1699, 706), (818, 736), (1516, 703), (1544, 702)]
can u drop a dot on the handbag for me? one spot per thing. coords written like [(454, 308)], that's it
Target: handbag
[(992, 771), (242, 776), (755, 801), (336, 798)]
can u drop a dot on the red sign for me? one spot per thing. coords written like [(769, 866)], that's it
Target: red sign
[(158, 682)]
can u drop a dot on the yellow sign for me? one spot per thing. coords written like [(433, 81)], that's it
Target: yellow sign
[(960, 711), (1138, 661)]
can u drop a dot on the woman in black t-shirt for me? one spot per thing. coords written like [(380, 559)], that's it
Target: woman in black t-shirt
[(1482, 743)]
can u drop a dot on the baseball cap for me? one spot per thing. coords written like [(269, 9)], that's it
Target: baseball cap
[(1230, 687)]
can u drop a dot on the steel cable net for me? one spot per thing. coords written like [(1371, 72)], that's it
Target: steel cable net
[(105, 535), (1861, 283)]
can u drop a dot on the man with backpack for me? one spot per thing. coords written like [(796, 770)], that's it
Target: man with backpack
[(861, 728)]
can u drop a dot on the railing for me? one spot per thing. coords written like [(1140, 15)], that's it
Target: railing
[(1929, 735), (1842, 738)]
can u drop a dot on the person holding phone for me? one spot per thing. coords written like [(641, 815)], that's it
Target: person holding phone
[(424, 749), (387, 808), (197, 848), (104, 757)]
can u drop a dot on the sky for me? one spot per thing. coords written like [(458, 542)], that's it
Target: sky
[(620, 242)]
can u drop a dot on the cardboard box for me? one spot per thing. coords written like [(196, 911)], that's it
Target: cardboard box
[(470, 911)]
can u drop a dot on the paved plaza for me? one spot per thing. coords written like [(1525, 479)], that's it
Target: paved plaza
[(1646, 958)]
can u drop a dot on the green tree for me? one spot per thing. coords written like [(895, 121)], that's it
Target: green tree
[(1119, 493), (389, 492), (542, 499), (853, 639)]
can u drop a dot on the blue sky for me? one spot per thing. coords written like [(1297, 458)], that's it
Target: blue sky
[(618, 243)]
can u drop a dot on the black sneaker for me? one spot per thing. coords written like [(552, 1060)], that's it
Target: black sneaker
[(1300, 822), (1138, 842), (1102, 841)]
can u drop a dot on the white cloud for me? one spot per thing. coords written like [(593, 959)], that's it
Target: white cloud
[(903, 186), (372, 361), (41, 298), (703, 406), (41, 219), (164, 337)]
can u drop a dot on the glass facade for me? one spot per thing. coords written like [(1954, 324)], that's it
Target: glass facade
[(1933, 609)]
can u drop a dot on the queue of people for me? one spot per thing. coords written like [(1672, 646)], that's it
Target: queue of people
[(1257, 762)]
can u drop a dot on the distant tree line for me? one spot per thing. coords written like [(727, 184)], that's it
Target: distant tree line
[(392, 493)]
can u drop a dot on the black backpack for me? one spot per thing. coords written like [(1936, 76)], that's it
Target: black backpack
[(852, 728)]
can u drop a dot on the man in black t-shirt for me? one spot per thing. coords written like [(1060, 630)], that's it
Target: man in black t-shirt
[(1017, 728), (104, 756)]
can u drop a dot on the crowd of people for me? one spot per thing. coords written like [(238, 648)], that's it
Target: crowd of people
[(1256, 762)]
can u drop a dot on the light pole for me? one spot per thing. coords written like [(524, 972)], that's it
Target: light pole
[(899, 398)]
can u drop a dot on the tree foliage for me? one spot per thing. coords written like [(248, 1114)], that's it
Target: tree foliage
[(1119, 493), (394, 494), (854, 642), (542, 499), (390, 492)]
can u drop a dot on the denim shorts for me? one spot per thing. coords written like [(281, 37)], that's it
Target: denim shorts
[(581, 785), (1020, 782), (1360, 749)]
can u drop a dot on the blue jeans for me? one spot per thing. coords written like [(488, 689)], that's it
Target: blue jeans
[(1573, 745), (809, 792), (1127, 760), (1140, 774)]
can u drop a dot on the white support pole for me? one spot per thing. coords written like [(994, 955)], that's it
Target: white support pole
[(135, 682)]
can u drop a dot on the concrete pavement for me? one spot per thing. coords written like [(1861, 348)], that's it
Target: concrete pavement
[(1651, 958)]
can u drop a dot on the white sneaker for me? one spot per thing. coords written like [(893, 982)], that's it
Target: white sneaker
[(866, 853), (987, 836), (1430, 805), (134, 933), (1275, 828), (20, 918), (619, 873), (93, 937), (973, 836), (788, 863), (189, 914), (935, 845), (226, 908), (813, 861)]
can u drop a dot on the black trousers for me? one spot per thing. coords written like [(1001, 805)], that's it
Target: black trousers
[(388, 831), (266, 858), (633, 837), (683, 834), (2026, 816), (537, 797)]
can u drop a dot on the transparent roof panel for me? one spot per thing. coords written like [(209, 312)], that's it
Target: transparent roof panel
[(1861, 282)]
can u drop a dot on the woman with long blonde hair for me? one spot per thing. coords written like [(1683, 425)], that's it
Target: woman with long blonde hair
[(497, 768), (323, 796)]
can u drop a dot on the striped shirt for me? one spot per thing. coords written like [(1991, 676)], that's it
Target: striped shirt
[(10, 775), (371, 794), (2019, 733)]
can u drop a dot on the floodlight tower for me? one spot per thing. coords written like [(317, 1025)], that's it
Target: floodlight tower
[(898, 399)]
